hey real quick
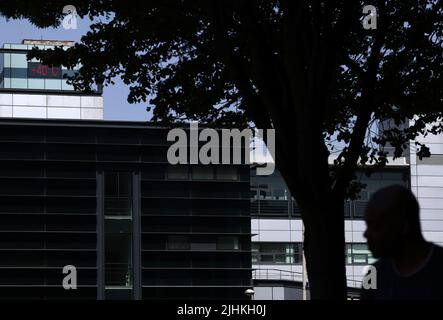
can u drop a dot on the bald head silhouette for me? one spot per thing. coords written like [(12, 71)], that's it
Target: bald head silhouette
[(393, 221)]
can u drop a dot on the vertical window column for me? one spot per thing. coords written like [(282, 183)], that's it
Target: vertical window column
[(118, 235)]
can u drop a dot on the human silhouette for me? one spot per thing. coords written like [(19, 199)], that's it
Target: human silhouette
[(408, 266)]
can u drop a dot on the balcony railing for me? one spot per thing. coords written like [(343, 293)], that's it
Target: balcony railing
[(277, 274)]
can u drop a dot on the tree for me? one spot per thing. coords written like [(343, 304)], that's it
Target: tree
[(306, 68)]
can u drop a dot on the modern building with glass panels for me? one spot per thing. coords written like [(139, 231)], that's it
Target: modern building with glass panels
[(30, 89), (278, 230), (101, 196), (277, 244)]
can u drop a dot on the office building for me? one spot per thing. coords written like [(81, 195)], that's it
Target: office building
[(30, 89), (278, 230), (101, 196)]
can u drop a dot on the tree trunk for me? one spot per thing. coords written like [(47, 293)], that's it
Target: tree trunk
[(324, 233), (324, 249)]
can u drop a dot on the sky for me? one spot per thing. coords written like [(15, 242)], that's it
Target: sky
[(116, 106)]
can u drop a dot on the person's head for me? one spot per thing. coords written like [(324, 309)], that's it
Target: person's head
[(392, 220)]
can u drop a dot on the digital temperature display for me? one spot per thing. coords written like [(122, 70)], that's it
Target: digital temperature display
[(41, 71)]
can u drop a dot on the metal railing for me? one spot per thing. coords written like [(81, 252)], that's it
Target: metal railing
[(277, 274), (286, 275)]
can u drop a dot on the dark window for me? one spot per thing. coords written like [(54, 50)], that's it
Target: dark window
[(202, 173), (178, 173), (178, 243), (118, 260), (118, 194), (228, 243), (118, 235), (277, 253), (227, 173), (358, 254)]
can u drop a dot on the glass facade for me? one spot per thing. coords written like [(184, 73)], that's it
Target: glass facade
[(16, 72), (354, 209), (277, 253), (358, 254), (97, 196), (292, 253), (118, 199), (271, 198)]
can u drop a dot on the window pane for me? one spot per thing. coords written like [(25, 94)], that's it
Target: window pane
[(273, 247), (118, 207), (227, 243), (358, 253), (36, 83), (202, 173), (277, 253), (124, 184), (227, 173), (19, 83), (360, 259), (118, 194), (118, 260), (177, 173), (111, 184), (18, 60), (280, 194), (267, 258), (178, 243), (280, 258), (359, 208), (53, 84)]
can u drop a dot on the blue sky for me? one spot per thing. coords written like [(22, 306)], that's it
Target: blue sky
[(115, 97)]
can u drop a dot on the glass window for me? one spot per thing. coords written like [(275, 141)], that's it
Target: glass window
[(177, 173), (118, 260), (7, 60), (36, 83), (19, 73), (19, 83), (66, 86), (277, 253), (202, 173), (118, 194), (227, 243), (18, 60), (347, 208), (178, 243), (7, 82), (358, 254), (53, 84), (18, 46), (359, 208), (118, 234), (280, 194), (227, 173)]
